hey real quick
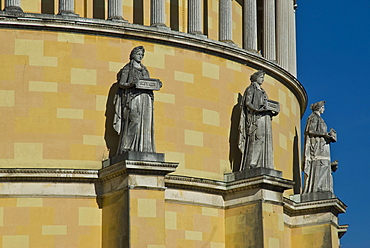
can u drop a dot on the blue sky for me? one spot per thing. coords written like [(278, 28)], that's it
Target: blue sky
[(333, 46)]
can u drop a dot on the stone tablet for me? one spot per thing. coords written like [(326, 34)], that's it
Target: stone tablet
[(273, 106), (148, 84)]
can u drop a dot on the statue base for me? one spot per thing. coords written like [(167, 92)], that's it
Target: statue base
[(252, 173), (135, 156), (313, 196)]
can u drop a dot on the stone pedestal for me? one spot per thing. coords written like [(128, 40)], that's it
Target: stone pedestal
[(254, 212), (313, 218), (132, 196), (252, 173)]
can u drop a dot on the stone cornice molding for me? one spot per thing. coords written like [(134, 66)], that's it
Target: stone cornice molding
[(154, 34), (334, 206), (136, 167), (226, 188), (47, 175)]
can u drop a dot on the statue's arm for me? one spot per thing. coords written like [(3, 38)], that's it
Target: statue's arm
[(250, 94), (123, 78), (312, 129)]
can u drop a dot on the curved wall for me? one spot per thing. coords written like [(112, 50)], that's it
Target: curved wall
[(58, 86)]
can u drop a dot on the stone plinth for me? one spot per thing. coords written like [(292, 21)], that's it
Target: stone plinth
[(316, 196), (320, 215), (133, 200), (252, 173), (135, 156), (252, 206)]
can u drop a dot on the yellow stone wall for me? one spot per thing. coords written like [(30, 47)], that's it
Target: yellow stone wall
[(56, 86), (237, 13), (273, 226), (244, 226), (324, 235), (49, 222), (194, 226), (115, 215), (147, 219)]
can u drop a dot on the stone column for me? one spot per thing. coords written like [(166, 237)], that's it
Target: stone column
[(115, 10), (269, 40), (157, 13), (66, 7), (250, 25), (13, 5), (282, 16), (226, 24), (292, 53), (195, 17)]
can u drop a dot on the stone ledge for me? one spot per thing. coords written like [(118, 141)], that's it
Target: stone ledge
[(136, 167), (334, 206), (52, 175), (223, 188)]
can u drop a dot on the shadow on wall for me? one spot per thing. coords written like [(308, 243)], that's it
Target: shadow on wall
[(235, 155), (110, 135), (296, 165)]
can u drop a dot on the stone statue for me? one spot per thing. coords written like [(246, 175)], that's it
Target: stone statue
[(316, 161), (255, 133), (133, 102)]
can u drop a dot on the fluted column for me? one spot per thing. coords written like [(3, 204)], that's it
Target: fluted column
[(226, 24), (13, 5), (66, 7), (269, 40), (115, 10), (157, 13), (250, 25), (282, 27), (195, 17), (292, 53)]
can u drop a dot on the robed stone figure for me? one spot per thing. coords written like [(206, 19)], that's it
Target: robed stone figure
[(133, 118), (255, 130), (317, 164)]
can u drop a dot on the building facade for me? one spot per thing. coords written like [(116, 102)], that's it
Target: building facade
[(61, 184)]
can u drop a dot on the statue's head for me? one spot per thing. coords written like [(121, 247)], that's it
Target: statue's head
[(256, 75), (317, 106), (136, 50)]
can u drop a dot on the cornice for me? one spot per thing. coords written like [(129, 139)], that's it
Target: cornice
[(225, 188), (157, 35), (136, 167), (334, 206), (47, 175)]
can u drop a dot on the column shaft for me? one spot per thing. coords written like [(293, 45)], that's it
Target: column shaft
[(157, 13), (66, 7), (226, 25), (13, 5), (292, 53), (269, 40), (282, 20), (195, 17), (115, 10), (250, 25)]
